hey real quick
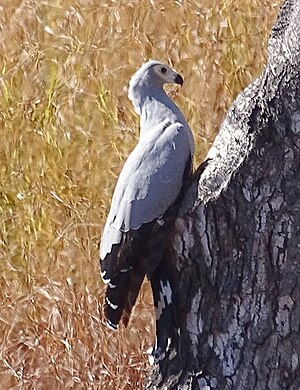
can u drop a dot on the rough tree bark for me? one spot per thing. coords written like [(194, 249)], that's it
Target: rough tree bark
[(237, 241)]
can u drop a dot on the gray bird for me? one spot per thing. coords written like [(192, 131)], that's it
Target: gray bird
[(146, 200)]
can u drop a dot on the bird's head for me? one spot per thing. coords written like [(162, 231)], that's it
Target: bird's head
[(163, 74), (151, 75)]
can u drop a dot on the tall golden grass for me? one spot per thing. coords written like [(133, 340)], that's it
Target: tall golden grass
[(66, 129)]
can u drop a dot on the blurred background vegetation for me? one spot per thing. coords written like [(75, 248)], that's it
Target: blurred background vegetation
[(66, 129)]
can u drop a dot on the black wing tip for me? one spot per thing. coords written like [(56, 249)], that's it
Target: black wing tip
[(105, 279), (111, 325)]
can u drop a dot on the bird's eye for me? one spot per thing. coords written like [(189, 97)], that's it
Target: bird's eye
[(163, 70)]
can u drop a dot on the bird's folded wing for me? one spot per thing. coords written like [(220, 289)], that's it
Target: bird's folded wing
[(149, 183)]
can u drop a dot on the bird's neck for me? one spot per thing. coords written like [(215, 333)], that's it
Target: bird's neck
[(158, 108)]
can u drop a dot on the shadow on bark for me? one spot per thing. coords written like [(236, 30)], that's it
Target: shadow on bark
[(236, 246)]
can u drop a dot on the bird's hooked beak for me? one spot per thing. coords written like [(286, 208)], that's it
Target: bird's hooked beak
[(178, 79)]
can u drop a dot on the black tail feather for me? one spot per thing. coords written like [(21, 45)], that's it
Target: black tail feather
[(121, 294), (165, 310)]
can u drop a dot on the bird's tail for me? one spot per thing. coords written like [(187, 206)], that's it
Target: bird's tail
[(121, 294), (167, 330)]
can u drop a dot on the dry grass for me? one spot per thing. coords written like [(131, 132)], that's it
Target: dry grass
[(66, 128)]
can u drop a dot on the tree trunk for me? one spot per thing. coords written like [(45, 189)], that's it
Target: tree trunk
[(237, 240)]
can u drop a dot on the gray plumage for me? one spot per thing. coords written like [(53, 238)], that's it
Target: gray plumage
[(149, 184), (150, 180)]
